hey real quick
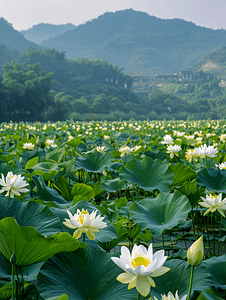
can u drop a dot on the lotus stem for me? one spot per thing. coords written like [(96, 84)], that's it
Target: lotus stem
[(190, 285), (205, 161), (219, 242), (12, 281), (17, 283), (193, 223), (208, 235), (214, 223), (163, 242), (138, 296), (84, 237)]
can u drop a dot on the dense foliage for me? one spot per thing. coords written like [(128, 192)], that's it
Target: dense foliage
[(202, 98), (25, 92), (48, 86)]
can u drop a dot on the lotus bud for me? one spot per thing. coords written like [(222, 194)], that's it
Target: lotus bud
[(196, 252)]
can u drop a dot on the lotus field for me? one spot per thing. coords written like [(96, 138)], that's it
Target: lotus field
[(121, 210)]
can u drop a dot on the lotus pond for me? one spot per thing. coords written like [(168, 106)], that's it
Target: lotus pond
[(108, 210)]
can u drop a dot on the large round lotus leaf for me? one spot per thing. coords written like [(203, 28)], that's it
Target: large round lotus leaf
[(178, 278), (160, 213), (113, 185), (83, 275), (30, 214), (93, 161), (106, 234), (217, 266), (29, 246), (82, 189), (46, 169), (182, 173), (156, 154), (148, 174), (213, 179)]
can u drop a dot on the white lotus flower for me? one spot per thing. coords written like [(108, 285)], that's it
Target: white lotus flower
[(125, 150), (140, 267), (28, 146), (170, 296), (206, 151), (214, 203), (191, 154), (85, 223), (51, 143), (173, 150), (221, 166), (167, 139), (100, 149), (13, 184)]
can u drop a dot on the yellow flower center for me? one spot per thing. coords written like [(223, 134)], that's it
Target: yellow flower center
[(12, 176), (139, 261), (81, 217), (224, 168), (212, 197)]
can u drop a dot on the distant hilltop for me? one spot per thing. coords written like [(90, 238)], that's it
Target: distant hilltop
[(39, 33)]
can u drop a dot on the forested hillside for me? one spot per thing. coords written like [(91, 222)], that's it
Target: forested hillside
[(139, 42), (214, 62), (40, 32), (13, 38), (7, 54)]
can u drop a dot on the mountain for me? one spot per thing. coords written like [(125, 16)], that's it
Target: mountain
[(139, 42), (39, 33), (214, 62), (13, 38)]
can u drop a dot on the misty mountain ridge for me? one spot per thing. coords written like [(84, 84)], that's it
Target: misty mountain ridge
[(43, 31), (13, 38), (139, 42)]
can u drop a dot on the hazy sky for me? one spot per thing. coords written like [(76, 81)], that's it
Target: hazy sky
[(26, 13)]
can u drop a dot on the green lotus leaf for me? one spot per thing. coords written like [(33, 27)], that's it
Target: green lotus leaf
[(208, 295), (191, 190), (63, 297), (182, 173), (106, 234), (29, 246), (82, 189), (30, 214), (29, 274), (148, 174), (46, 193), (216, 266), (156, 155), (178, 278), (214, 179), (160, 213), (46, 169), (75, 142), (93, 161), (113, 185), (6, 291), (56, 155), (31, 163), (83, 275)]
